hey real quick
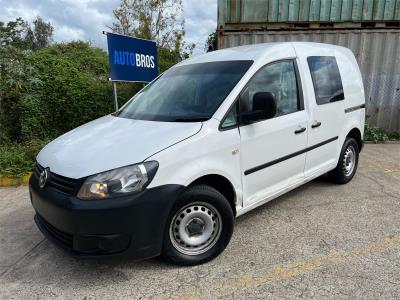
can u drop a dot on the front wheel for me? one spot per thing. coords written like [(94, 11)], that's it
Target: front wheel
[(199, 227), (347, 164)]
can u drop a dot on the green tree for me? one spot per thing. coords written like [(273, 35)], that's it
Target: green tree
[(40, 35), (211, 43), (12, 34), (22, 35), (158, 20)]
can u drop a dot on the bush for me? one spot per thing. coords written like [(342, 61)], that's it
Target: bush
[(19, 159), (16, 78), (374, 133), (73, 90), (46, 91), (394, 136), (49, 91)]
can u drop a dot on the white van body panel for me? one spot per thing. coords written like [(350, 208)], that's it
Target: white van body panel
[(110, 142), (278, 179), (330, 115), (337, 123), (187, 151), (209, 152), (267, 141)]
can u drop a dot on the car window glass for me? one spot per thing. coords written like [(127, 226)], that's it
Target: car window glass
[(231, 118), (188, 93), (326, 79), (280, 80)]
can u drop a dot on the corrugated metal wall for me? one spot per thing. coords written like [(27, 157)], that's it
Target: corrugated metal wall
[(377, 52), (273, 11)]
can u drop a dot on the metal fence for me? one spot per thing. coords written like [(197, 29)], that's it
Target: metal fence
[(377, 52)]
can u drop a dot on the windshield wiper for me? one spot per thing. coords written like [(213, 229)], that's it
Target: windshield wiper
[(189, 119)]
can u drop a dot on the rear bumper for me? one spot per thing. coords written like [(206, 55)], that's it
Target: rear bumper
[(131, 225)]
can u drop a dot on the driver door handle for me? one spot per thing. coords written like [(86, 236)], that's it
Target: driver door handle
[(299, 130), (315, 124)]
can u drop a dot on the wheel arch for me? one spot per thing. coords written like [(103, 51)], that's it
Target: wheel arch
[(222, 185), (355, 133)]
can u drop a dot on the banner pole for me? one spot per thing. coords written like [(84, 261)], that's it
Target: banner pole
[(115, 95)]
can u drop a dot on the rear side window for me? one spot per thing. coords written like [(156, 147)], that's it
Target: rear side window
[(326, 79)]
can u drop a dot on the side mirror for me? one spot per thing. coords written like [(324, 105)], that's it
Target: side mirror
[(264, 107)]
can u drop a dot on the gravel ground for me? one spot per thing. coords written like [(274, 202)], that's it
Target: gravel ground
[(320, 240)]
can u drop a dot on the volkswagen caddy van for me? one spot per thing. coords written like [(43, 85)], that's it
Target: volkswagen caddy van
[(212, 138)]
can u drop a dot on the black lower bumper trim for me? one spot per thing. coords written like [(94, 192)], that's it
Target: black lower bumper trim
[(90, 245), (64, 239), (131, 225)]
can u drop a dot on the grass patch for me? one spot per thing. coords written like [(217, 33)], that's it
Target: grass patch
[(19, 159)]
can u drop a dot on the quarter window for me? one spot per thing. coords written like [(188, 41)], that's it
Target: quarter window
[(279, 79), (326, 79), (231, 119)]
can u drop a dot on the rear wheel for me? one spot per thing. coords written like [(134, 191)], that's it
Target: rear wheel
[(348, 162), (199, 228)]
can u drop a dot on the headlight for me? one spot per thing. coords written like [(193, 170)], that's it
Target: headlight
[(130, 179)]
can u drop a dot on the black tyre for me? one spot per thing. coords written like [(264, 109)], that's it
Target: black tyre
[(199, 227), (347, 164)]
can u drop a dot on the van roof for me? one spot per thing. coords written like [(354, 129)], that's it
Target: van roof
[(257, 51)]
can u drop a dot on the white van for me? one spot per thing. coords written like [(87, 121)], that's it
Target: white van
[(210, 139)]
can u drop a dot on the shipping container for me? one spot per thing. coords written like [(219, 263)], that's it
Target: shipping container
[(377, 50), (280, 14)]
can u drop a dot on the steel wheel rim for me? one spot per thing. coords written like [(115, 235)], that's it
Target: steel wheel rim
[(349, 160), (195, 228)]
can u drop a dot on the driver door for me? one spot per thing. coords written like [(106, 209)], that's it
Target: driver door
[(271, 157)]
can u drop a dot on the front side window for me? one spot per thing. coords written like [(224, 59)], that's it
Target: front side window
[(326, 79), (231, 119), (280, 80), (188, 93)]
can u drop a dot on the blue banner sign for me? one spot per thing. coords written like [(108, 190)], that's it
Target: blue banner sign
[(131, 59)]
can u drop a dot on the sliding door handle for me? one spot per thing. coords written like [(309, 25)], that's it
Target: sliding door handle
[(315, 124), (300, 130)]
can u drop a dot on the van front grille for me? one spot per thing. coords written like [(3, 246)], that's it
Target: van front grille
[(60, 183)]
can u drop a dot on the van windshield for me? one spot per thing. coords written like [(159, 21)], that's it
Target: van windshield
[(190, 93)]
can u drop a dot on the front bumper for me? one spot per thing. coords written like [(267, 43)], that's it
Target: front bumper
[(130, 225)]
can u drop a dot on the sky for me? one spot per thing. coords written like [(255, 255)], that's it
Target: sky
[(86, 19)]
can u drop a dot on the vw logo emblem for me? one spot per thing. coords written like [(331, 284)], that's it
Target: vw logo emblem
[(44, 176)]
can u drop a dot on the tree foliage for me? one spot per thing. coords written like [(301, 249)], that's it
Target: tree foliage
[(46, 90), (158, 20), (22, 35), (17, 78), (39, 35), (211, 43), (49, 88), (73, 90), (12, 33)]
